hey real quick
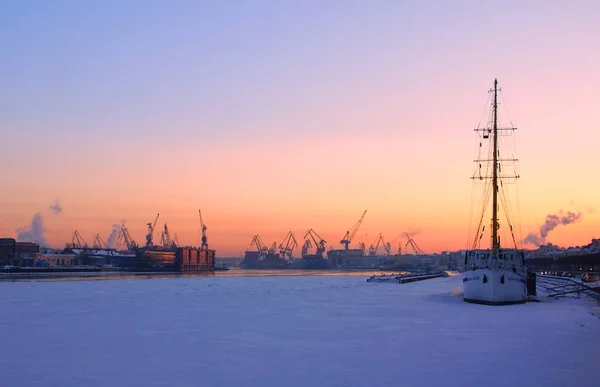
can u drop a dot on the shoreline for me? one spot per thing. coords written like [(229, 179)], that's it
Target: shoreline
[(232, 272)]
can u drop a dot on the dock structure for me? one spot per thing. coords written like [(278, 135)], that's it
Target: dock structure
[(180, 259), (404, 278), (556, 286)]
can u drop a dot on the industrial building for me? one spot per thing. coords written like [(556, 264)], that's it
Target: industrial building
[(168, 256), (17, 253), (45, 259), (181, 259)]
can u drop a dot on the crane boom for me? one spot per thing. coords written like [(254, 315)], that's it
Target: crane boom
[(306, 247), (260, 245), (126, 236), (99, 242), (413, 244), (347, 239), (286, 248), (320, 245), (203, 229), (165, 238), (150, 234), (78, 241), (375, 246)]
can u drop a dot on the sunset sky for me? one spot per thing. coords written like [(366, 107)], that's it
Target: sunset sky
[(273, 116)]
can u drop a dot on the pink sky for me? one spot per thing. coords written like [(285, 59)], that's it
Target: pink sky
[(271, 123)]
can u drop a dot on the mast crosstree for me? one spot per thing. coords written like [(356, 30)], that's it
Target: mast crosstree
[(496, 168), (494, 275)]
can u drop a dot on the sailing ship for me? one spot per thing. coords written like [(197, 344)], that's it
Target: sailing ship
[(494, 276)]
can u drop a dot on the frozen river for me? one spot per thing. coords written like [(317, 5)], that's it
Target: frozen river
[(287, 331)]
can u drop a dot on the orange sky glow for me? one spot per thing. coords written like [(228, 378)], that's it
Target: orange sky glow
[(272, 126)]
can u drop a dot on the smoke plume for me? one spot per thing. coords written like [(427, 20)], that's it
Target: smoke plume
[(551, 222), (412, 232), (533, 239), (56, 208), (34, 232), (111, 241)]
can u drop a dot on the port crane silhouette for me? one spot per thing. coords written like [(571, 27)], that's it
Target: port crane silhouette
[(150, 233), (413, 244), (125, 236), (203, 228), (78, 242), (98, 242), (380, 241), (347, 239), (286, 248), (320, 245)]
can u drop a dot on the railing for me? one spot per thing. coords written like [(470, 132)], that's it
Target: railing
[(561, 286), (498, 264)]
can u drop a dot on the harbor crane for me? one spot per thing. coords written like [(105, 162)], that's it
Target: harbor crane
[(99, 242), (165, 237), (347, 239), (286, 248), (387, 247), (127, 238), (260, 245), (273, 248), (317, 241), (414, 245), (204, 245), (78, 242), (306, 247), (175, 241), (150, 234)]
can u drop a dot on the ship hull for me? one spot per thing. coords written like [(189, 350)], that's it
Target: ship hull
[(499, 279), (494, 276), (494, 287)]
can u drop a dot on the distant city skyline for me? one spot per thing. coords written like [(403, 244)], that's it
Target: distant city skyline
[(277, 116)]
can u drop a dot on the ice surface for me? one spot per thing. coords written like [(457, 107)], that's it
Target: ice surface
[(287, 331)]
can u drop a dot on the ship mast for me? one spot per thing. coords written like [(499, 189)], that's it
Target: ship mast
[(495, 225), (495, 162)]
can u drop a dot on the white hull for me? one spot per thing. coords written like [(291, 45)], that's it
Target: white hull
[(494, 276), (496, 290)]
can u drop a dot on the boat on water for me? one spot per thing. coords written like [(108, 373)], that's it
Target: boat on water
[(497, 275)]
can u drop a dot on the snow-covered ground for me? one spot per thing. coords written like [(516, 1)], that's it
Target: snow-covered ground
[(287, 331)]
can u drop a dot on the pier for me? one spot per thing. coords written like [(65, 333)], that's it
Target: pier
[(560, 286), (404, 278)]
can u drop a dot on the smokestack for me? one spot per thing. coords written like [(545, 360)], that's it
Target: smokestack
[(33, 233), (111, 241), (551, 222)]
